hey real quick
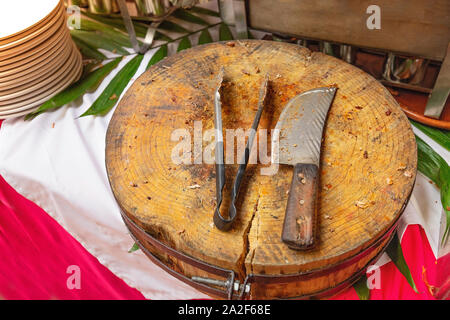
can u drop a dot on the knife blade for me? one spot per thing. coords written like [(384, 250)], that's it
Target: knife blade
[(298, 144)]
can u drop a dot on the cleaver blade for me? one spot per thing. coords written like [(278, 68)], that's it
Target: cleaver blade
[(298, 143)]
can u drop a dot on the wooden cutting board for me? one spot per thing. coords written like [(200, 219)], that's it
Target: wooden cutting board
[(368, 163)]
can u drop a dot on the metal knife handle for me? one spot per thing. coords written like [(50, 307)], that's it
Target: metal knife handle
[(300, 221)]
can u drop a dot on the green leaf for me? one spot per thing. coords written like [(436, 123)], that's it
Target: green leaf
[(77, 89), (225, 33), (105, 31), (89, 67), (158, 56), (172, 26), (205, 37), (97, 41), (108, 98), (189, 17), (440, 136), (117, 23), (134, 248), (394, 251), (431, 164), (361, 288), (445, 199), (184, 44), (161, 36), (205, 11), (88, 51), (113, 22)]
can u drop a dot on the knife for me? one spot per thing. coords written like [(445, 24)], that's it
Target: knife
[(298, 142)]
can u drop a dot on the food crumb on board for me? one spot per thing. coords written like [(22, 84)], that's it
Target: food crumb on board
[(361, 204), (194, 186)]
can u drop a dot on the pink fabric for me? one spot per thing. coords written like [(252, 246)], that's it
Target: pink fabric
[(36, 252), (431, 276)]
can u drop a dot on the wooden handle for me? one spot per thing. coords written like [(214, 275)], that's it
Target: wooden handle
[(301, 211)]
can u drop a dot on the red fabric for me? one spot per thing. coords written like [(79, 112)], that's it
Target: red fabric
[(431, 276), (36, 252)]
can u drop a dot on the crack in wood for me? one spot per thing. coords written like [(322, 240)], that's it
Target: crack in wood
[(246, 246)]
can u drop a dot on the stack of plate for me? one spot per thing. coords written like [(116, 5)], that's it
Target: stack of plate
[(38, 58)]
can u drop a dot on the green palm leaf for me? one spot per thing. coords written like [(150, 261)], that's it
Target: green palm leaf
[(97, 41), (205, 37), (172, 26), (189, 17), (225, 33), (440, 136), (77, 89), (431, 164), (88, 51), (361, 288), (134, 248), (394, 251), (185, 43), (109, 97), (158, 56), (117, 23), (106, 31), (205, 11)]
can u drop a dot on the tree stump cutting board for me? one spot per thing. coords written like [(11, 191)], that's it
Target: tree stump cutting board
[(368, 167)]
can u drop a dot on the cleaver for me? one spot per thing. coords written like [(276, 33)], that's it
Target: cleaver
[(297, 141)]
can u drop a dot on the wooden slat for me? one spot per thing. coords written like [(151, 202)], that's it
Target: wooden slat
[(413, 27)]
